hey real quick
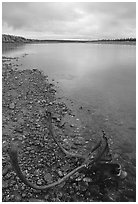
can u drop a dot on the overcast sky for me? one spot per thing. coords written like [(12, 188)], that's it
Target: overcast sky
[(69, 20)]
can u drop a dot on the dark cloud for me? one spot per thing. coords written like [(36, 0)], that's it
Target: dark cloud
[(69, 20)]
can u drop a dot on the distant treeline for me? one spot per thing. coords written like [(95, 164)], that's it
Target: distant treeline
[(18, 39), (14, 39), (121, 39)]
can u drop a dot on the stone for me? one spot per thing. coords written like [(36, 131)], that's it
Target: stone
[(28, 148), (18, 197), (39, 182), (88, 180), (5, 184), (48, 178), (23, 195), (60, 173), (12, 106), (35, 200)]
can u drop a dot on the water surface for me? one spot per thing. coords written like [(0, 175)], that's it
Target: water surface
[(102, 76)]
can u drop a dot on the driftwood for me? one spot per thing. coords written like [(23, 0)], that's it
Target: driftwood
[(89, 160)]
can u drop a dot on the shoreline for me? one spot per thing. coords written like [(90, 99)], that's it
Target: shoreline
[(26, 96), (73, 41)]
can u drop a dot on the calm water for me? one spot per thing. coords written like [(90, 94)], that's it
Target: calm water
[(102, 76)]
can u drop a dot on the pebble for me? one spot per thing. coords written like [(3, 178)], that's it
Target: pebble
[(36, 200), (12, 182), (23, 195), (123, 174), (88, 180), (48, 178), (12, 106), (46, 197), (39, 182), (5, 184), (60, 173), (18, 197), (78, 179), (116, 156), (8, 175), (5, 144), (28, 148), (7, 198)]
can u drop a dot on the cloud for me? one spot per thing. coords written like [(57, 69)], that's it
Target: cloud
[(69, 20)]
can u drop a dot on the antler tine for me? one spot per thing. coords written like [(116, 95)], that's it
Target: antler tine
[(59, 145), (69, 154), (108, 156), (91, 160)]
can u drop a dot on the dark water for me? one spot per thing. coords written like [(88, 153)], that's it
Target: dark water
[(99, 76)]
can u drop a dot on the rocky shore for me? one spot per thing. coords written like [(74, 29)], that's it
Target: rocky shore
[(26, 96)]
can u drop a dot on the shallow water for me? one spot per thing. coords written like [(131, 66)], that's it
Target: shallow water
[(100, 78)]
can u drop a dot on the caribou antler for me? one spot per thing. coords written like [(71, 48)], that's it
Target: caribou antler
[(13, 153)]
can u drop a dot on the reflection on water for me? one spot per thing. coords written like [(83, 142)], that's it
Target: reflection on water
[(11, 47), (101, 76)]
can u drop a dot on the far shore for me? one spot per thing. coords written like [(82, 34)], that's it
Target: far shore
[(75, 41), (21, 40)]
